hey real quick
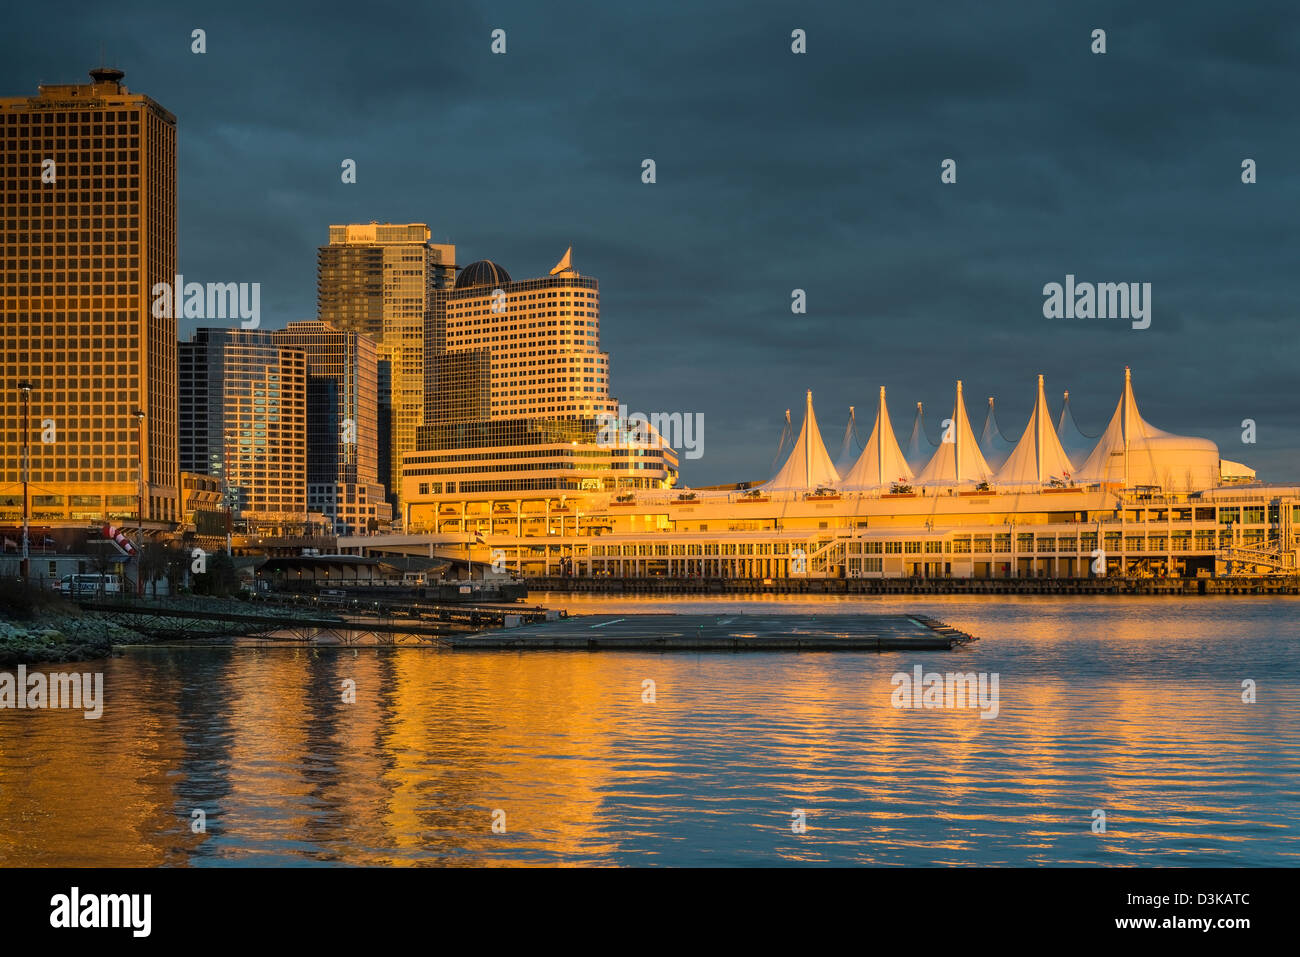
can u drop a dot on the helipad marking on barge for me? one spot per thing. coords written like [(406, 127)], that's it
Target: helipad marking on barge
[(755, 632)]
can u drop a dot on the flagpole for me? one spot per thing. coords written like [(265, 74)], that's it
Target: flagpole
[(26, 389)]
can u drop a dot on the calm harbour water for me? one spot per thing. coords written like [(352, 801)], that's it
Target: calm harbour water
[(1132, 706)]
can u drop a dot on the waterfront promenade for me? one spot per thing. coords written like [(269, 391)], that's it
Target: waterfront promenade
[(1262, 585)]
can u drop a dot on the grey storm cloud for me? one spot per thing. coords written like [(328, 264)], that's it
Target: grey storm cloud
[(775, 171)]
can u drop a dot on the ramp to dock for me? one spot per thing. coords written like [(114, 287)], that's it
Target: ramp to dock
[(731, 632)]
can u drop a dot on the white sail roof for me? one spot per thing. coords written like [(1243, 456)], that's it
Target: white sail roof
[(787, 433), (809, 466), (1077, 445), (957, 461), (994, 446), (1038, 457), (1130, 453), (881, 462), (848, 447), (919, 448)]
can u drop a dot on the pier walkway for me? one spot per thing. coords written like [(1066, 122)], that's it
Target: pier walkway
[(422, 624)]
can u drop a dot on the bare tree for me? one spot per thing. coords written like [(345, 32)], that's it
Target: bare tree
[(153, 559)]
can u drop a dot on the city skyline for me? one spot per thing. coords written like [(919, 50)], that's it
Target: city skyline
[(822, 185), (711, 435)]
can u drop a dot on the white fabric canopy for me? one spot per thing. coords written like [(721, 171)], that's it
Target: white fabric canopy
[(1130, 453), (994, 446), (956, 462), (919, 447), (1038, 457), (848, 447), (1077, 445), (881, 462), (809, 466)]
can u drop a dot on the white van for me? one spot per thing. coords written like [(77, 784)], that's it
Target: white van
[(91, 584)]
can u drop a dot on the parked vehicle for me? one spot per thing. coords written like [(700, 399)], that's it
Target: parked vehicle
[(88, 585), (333, 596)]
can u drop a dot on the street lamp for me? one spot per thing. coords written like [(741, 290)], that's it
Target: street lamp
[(573, 552), (25, 388), (139, 508)]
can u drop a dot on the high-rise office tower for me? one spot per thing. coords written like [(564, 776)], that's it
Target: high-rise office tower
[(342, 426), (518, 412), (538, 341), (378, 279), (243, 418), (87, 228)]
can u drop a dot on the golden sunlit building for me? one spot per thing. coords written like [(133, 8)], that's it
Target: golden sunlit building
[(1135, 501), (377, 279), (342, 426), (87, 227), (203, 505), (519, 415), (243, 410)]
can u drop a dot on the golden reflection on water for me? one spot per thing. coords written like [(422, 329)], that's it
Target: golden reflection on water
[(1130, 707)]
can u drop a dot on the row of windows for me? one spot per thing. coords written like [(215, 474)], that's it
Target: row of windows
[(913, 547), (495, 317), (468, 304), (694, 549), (91, 257), (97, 120), (515, 328)]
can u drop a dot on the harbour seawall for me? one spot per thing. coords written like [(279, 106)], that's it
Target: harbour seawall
[(919, 586)]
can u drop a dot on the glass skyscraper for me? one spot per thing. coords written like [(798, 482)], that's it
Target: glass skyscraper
[(342, 426), (243, 418), (378, 279)]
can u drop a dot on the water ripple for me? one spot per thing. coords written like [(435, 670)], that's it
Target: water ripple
[(1132, 707)]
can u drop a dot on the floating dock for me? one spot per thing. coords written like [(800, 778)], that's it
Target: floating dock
[(731, 632)]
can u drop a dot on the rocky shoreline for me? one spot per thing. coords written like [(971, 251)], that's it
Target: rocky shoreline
[(63, 633), (60, 639)]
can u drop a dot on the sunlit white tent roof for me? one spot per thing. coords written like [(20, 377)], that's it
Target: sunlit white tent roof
[(1038, 457), (881, 462), (1130, 453), (809, 466), (994, 446), (1077, 445), (956, 462), (848, 447), (919, 448)]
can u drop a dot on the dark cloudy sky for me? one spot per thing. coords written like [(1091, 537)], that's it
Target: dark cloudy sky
[(775, 171)]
